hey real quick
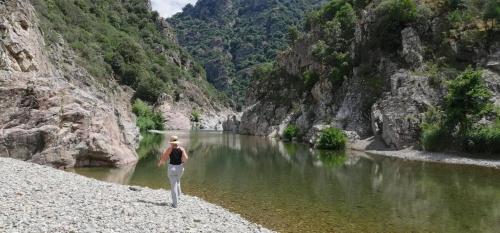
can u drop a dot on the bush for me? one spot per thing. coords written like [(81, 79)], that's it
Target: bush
[(332, 139), (290, 132), (467, 101), (483, 139), (393, 15), (195, 116), (146, 118), (434, 138), (310, 78)]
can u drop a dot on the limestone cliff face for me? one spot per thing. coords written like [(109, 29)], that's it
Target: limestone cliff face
[(52, 111), (387, 92)]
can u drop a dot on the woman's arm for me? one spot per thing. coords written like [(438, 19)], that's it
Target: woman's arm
[(185, 156), (164, 156)]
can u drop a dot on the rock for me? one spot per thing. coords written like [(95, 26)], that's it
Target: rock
[(105, 207), (397, 116), (177, 111), (232, 123), (53, 111), (412, 47)]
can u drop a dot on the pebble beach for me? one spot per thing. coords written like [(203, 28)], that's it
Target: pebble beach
[(35, 198)]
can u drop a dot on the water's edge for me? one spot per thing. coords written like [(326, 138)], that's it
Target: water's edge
[(90, 202)]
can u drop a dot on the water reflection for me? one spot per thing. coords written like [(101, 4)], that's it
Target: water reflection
[(150, 145), (292, 188)]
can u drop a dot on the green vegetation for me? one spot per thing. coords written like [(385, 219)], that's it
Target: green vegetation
[(195, 115), (392, 17), (332, 159), (146, 118), (332, 139), (473, 21), (290, 132), (117, 39), (150, 145), (230, 40), (467, 101), (336, 21)]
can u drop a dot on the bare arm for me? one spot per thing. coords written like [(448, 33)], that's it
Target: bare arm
[(164, 156), (185, 156)]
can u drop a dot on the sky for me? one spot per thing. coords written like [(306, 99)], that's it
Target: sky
[(167, 8)]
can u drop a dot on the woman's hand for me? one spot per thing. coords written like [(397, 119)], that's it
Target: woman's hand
[(160, 163)]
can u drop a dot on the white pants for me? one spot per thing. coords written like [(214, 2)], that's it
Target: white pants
[(174, 175)]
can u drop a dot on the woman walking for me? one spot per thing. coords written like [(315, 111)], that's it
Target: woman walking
[(177, 157)]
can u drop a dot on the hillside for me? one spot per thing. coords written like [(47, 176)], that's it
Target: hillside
[(69, 71), (412, 73), (230, 37)]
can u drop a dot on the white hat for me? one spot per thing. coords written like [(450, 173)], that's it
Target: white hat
[(174, 140)]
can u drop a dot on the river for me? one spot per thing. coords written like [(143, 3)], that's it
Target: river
[(289, 187)]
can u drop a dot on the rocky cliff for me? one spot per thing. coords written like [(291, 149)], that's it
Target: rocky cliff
[(372, 70), (53, 111)]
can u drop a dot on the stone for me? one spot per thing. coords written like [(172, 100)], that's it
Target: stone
[(412, 47)]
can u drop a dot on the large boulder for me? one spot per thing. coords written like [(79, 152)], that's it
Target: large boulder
[(397, 116)]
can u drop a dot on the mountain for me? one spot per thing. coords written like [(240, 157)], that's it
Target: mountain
[(421, 74), (69, 70), (229, 37)]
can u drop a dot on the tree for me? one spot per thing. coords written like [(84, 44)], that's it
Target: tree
[(293, 34), (491, 13), (467, 101)]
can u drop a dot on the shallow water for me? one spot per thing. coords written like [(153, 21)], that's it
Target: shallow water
[(292, 188)]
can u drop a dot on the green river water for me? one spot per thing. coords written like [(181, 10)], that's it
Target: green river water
[(291, 188)]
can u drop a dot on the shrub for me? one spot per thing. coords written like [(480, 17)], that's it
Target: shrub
[(483, 139), (393, 15), (468, 100), (195, 115), (310, 78), (146, 118), (332, 139), (293, 34), (434, 138), (290, 132)]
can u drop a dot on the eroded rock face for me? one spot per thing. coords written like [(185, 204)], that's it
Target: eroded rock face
[(386, 94), (178, 110), (232, 123), (53, 111), (412, 47), (397, 116)]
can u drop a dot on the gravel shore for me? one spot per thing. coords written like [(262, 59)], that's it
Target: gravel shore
[(36, 198), (373, 147)]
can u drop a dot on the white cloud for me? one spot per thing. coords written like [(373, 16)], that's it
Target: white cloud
[(167, 8)]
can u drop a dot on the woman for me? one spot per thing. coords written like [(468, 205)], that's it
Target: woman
[(178, 157)]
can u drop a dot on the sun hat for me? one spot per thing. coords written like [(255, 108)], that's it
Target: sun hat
[(174, 140)]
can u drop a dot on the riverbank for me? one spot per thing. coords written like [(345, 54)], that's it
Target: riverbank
[(374, 147), (35, 198)]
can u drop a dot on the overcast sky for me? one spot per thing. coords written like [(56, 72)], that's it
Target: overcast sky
[(167, 8)]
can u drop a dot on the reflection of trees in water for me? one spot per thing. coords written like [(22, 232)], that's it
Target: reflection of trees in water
[(150, 145), (254, 173), (436, 197)]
